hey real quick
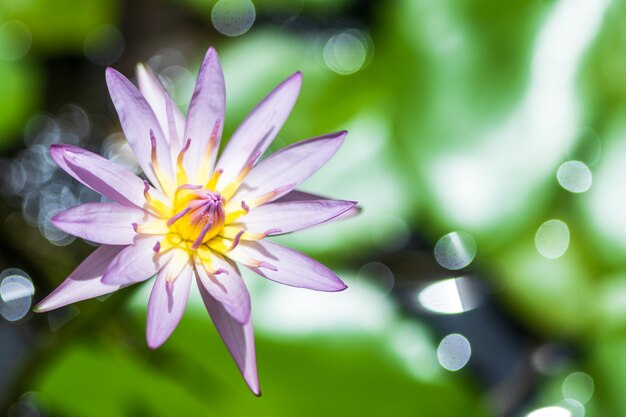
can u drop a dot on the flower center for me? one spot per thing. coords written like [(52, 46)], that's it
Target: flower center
[(199, 214)]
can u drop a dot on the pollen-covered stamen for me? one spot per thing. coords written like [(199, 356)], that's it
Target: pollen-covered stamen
[(162, 178), (153, 153), (232, 188), (178, 216), (272, 195), (155, 205), (181, 173), (231, 231), (253, 263), (199, 215), (236, 240), (146, 191), (214, 179), (213, 138), (235, 214), (209, 154)]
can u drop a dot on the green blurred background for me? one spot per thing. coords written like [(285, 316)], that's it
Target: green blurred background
[(487, 149)]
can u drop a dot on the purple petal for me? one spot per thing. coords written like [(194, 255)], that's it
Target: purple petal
[(238, 338), (135, 263), (84, 282), (289, 216), (205, 119), (287, 266), (106, 223), (138, 119), (156, 96), (227, 287), (166, 306), (297, 195), (259, 129), (287, 168), (101, 175)]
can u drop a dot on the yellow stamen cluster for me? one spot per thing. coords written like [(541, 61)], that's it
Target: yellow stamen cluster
[(197, 219)]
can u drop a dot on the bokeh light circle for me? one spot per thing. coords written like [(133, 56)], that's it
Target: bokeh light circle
[(377, 275), (575, 408), (345, 53), (454, 352), (554, 411), (233, 17), (455, 250), (104, 45), (578, 386), (16, 292), (574, 176), (15, 40), (552, 239)]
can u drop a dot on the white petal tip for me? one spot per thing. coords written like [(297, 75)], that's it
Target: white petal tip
[(253, 385), (154, 343)]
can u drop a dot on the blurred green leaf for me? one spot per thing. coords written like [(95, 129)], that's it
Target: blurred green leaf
[(20, 96), (193, 374), (60, 25)]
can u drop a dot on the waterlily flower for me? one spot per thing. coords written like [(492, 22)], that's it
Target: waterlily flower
[(197, 216)]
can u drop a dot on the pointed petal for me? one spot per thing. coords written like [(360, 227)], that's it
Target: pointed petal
[(226, 287), (287, 168), (297, 195), (287, 266), (289, 216), (156, 95), (135, 263), (101, 175), (167, 304), (84, 282), (106, 223), (138, 119), (205, 119), (259, 129), (238, 338)]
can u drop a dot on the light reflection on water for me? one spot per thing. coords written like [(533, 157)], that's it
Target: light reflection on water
[(449, 296)]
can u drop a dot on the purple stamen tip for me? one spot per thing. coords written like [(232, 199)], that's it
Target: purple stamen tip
[(245, 206), (135, 226), (187, 145), (236, 240), (178, 216), (216, 128), (198, 242), (254, 157), (272, 231), (220, 271), (152, 139), (157, 247)]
